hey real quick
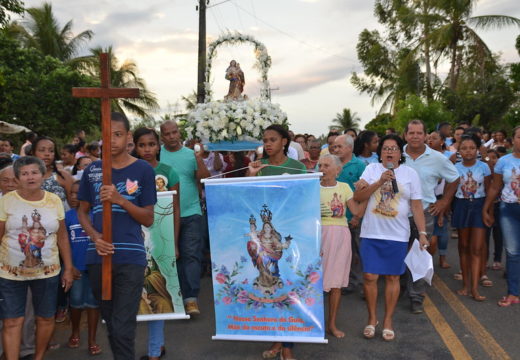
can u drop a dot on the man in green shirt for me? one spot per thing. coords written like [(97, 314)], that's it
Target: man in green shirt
[(191, 169)]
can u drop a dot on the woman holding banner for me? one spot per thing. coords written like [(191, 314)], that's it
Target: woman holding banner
[(392, 190), (276, 162), (147, 147)]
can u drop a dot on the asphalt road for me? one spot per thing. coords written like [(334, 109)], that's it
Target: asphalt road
[(452, 327)]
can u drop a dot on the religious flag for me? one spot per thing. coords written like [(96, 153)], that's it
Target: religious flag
[(265, 238), (161, 298)]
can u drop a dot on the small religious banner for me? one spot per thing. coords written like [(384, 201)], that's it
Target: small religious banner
[(265, 247), (161, 298)]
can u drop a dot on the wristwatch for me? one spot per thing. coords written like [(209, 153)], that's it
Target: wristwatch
[(423, 233)]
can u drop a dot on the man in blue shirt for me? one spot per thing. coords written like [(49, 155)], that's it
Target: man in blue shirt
[(133, 196), (431, 166), (190, 167)]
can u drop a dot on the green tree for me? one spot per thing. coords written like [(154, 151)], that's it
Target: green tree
[(380, 123), (346, 120), (14, 6), (42, 31), (459, 29), (36, 92), (125, 75), (389, 72), (482, 96), (413, 107), (411, 22)]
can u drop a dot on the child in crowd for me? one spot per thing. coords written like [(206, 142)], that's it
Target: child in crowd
[(81, 296), (148, 147), (133, 196), (475, 177), (80, 166)]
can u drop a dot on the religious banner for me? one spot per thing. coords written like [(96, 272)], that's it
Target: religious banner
[(161, 298), (265, 247)]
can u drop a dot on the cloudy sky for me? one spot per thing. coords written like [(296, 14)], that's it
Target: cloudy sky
[(312, 44)]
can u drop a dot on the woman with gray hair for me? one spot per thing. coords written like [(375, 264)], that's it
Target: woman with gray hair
[(336, 250), (33, 237)]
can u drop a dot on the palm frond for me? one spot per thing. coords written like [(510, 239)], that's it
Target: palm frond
[(491, 22)]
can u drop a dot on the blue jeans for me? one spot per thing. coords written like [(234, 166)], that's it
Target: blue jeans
[(189, 263), (442, 233), (510, 224), (155, 337), (81, 296), (13, 296)]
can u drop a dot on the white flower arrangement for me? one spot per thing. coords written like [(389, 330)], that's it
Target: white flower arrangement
[(233, 121), (263, 61)]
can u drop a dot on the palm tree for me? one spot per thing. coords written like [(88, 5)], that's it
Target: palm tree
[(411, 22), (346, 120), (122, 76), (42, 31), (390, 73), (459, 30)]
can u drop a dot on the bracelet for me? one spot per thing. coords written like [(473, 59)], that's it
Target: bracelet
[(423, 233)]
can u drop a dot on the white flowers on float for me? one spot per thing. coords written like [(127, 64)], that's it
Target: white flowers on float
[(225, 123)]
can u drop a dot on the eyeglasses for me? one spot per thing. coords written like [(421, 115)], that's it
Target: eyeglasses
[(390, 148)]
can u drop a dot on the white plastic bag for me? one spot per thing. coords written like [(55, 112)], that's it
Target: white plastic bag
[(420, 263)]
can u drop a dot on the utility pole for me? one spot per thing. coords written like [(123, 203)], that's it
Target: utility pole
[(201, 78)]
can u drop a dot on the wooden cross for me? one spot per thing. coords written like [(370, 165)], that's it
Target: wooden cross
[(106, 93)]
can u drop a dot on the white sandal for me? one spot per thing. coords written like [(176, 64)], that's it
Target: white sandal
[(370, 331), (388, 335)]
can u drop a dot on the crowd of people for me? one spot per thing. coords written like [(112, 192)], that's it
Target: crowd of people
[(379, 192)]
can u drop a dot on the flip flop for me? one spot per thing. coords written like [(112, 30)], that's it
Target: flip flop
[(73, 342), (94, 350), (507, 301), (271, 353), (457, 276)]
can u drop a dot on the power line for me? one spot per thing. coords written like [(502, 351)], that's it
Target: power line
[(254, 11), (222, 2), (239, 17), (216, 20)]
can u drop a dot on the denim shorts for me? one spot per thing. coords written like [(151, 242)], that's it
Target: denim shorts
[(81, 295), (13, 295)]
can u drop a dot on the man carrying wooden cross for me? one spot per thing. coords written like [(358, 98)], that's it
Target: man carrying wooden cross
[(133, 196)]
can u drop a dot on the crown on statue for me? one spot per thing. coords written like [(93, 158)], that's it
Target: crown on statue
[(252, 220), (266, 214)]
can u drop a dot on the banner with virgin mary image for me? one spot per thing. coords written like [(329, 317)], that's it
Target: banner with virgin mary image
[(161, 298), (265, 238)]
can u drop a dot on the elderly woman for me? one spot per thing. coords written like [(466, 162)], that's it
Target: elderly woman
[(33, 237), (392, 190), (336, 249)]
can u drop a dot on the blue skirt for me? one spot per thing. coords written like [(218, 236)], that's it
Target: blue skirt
[(383, 257), (467, 213)]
